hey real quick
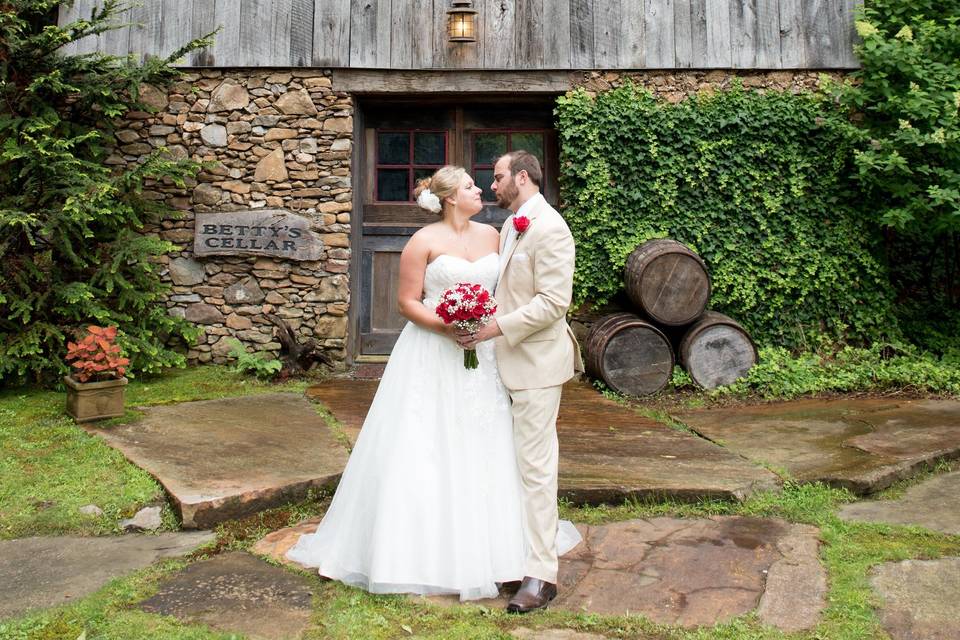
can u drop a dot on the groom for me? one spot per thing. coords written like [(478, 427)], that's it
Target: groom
[(536, 354)]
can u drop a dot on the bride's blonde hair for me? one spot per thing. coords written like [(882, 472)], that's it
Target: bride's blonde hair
[(443, 184)]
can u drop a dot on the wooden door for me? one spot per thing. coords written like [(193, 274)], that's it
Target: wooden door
[(405, 140)]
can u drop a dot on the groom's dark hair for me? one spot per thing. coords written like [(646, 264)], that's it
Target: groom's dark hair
[(521, 160)]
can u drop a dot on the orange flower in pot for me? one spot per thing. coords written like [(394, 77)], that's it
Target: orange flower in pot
[(95, 390)]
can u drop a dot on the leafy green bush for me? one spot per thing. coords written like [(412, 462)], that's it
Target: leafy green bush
[(907, 97), (259, 364), (780, 374), (905, 117), (757, 183), (70, 227)]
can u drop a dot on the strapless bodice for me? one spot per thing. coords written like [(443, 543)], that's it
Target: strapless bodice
[(446, 271)]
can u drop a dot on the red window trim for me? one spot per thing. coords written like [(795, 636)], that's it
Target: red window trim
[(409, 166)]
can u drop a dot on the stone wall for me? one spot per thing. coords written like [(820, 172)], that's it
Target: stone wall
[(268, 140), (676, 85)]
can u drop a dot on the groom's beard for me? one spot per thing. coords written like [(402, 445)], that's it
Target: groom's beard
[(507, 194)]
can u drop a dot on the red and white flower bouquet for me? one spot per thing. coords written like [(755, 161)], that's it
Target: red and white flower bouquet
[(468, 307)]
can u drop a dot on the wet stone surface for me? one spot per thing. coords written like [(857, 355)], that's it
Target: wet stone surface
[(687, 572), (697, 572), (919, 598), (933, 504), (237, 592), (860, 445), (223, 459), (45, 572), (607, 451)]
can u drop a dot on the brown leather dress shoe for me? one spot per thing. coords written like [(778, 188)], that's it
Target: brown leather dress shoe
[(533, 594), (510, 586)]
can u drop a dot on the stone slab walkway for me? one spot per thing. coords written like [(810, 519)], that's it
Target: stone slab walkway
[(919, 598), (37, 573), (238, 593), (685, 572), (861, 445), (934, 504), (222, 459), (607, 451)]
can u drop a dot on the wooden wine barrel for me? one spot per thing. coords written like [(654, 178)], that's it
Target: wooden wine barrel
[(716, 350), (630, 355), (667, 281)]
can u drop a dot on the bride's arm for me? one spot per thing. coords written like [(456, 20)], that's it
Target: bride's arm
[(413, 265)]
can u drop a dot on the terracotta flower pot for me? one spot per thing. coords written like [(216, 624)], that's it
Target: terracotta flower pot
[(95, 400)]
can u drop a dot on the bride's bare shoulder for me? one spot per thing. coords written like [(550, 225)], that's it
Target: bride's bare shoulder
[(488, 230), (427, 232)]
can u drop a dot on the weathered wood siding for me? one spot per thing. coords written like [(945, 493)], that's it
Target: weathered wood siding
[(513, 34)]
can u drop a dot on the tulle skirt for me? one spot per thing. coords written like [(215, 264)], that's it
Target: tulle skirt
[(430, 500)]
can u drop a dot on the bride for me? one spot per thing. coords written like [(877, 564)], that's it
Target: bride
[(430, 500)]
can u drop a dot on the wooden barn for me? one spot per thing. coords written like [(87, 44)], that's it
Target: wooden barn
[(315, 117)]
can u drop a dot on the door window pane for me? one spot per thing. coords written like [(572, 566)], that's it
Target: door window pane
[(429, 148), (403, 156), (528, 141), (422, 172), (393, 148), (483, 179), (393, 185), (487, 147), (491, 144)]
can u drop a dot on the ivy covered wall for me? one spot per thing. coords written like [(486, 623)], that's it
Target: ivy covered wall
[(756, 182)]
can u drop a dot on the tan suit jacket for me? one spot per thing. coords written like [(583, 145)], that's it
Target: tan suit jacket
[(534, 291)]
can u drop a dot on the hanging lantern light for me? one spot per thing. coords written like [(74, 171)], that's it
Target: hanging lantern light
[(462, 21)]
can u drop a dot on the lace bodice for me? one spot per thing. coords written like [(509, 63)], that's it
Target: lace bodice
[(446, 271)]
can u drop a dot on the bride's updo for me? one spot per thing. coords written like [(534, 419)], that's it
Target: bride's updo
[(432, 191)]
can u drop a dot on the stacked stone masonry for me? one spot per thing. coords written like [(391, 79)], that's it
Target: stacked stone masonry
[(267, 140), (675, 86)]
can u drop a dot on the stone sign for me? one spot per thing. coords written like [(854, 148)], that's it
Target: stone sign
[(264, 232)]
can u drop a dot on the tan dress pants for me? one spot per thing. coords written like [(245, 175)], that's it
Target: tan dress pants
[(535, 435)]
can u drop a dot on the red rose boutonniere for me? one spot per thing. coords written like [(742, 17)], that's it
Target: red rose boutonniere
[(520, 224)]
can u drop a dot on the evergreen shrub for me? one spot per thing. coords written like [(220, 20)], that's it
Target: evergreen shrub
[(71, 228)]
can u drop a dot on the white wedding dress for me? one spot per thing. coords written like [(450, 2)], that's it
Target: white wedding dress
[(430, 500)]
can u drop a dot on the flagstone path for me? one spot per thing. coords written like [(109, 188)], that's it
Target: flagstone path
[(227, 458), (223, 459), (37, 573), (608, 452), (676, 571), (861, 445), (239, 593), (919, 598), (933, 504)]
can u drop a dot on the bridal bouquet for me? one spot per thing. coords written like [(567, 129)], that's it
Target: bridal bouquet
[(468, 307)]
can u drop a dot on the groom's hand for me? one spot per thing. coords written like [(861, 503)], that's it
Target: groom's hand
[(486, 332)]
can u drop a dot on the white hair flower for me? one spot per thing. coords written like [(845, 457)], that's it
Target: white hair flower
[(428, 200)]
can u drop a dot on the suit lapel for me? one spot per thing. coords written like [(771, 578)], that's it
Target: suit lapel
[(506, 261), (532, 216)]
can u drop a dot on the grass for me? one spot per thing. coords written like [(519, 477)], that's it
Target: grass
[(49, 467), (849, 551)]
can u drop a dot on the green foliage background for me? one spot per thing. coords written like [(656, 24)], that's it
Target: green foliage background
[(757, 183), (70, 227), (905, 119)]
